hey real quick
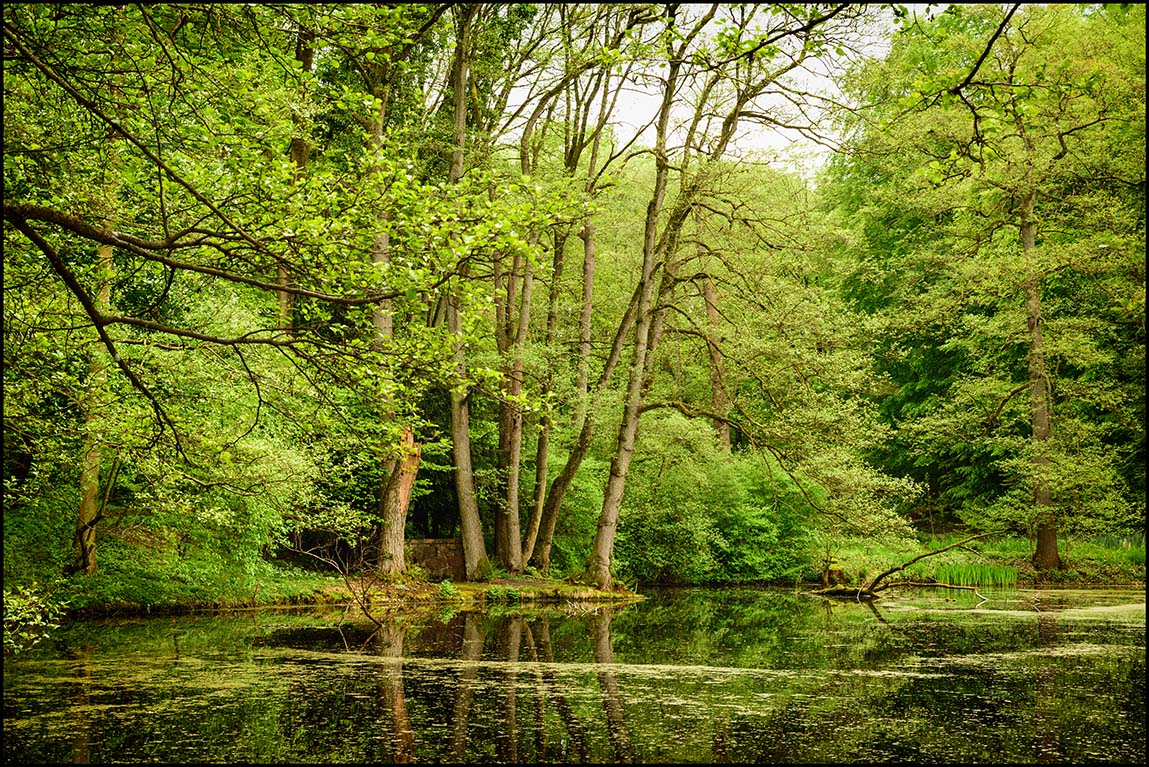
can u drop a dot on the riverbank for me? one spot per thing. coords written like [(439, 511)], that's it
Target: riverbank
[(1005, 561), (294, 587), (144, 589)]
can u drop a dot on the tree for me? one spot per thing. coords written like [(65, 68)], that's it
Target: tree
[(1017, 134), (728, 76), (211, 195)]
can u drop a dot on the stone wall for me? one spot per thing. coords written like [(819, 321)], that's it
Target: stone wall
[(442, 557)]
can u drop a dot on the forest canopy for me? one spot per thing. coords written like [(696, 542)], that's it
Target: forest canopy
[(548, 278)]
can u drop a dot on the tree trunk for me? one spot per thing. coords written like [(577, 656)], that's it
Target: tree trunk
[(719, 401), (393, 505), (542, 448), (508, 541), (470, 526), (1041, 416), (89, 511), (474, 548), (400, 472), (598, 565), (547, 506), (582, 442)]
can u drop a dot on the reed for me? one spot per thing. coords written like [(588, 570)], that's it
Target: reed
[(967, 574)]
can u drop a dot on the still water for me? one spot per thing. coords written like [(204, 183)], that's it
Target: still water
[(696, 675)]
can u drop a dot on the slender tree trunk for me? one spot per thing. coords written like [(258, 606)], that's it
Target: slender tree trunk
[(470, 526), (474, 548), (93, 452), (1041, 416), (598, 565), (88, 514), (581, 445), (719, 401), (542, 447), (534, 523), (547, 506), (586, 234), (508, 541)]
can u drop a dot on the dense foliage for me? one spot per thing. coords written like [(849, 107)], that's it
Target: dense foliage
[(277, 276)]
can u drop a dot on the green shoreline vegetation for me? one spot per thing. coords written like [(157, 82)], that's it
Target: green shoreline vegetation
[(296, 292), (31, 612)]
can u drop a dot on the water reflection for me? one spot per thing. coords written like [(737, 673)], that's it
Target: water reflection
[(389, 644), (737, 675), (80, 733), (611, 699)]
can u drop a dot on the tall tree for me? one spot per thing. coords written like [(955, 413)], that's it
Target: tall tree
[(728, 76), (590, 91), (474, 549), (1017, 130)]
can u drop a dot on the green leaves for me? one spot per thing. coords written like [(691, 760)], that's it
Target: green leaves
[(30, 614), (939, 191)]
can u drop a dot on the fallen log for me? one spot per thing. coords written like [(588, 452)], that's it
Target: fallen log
[(870, 590)]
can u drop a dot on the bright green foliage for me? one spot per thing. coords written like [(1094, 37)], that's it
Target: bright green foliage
[(999, 576), (240, 389), (29, 614), (693, 515)]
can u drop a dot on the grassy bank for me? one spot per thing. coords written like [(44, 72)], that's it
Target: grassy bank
[(277, 585), (1003, 561), (33, 610), (127, 587)]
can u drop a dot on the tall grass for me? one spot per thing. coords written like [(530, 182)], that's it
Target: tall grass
[(1120, 548), (1118, 541), (965, 574)]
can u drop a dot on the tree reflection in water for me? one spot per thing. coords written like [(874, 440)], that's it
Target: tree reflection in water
[(472, 652), (611, 700), (389, 644), (741, 676)]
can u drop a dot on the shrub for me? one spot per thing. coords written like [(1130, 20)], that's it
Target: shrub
[(29, 614), (503, 594)]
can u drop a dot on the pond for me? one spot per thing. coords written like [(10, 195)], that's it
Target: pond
[(692, 675)]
